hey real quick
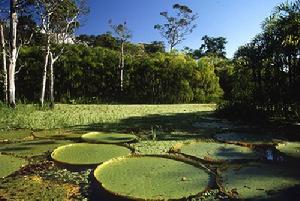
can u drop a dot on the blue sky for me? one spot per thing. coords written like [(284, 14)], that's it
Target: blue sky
[(237, 20)]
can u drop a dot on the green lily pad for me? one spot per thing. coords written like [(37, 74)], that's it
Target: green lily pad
[(14, 134), (291, 149), (259, 181), (244, 138), (32, 148), (151, 178), (10, 164), (110, 138), (88, 154), (217, 152)]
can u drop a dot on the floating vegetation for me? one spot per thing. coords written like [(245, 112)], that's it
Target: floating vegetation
[(245, 138), (212, 151), (88, 154), (33, 147), (291, 149), (10, 164), (11, 135), (151, 178), (36, 188), (154, 147), (258, 181), (110, 138)]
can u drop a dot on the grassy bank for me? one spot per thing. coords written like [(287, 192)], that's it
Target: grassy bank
[(30, 116)]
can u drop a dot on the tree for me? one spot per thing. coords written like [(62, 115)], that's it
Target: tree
[(178, 26), (3, 52), (154, 47), (123, 34), (13, 53), (212, 46), (58, 22)]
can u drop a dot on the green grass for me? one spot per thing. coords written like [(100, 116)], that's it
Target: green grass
[(88, 154), (10, 164), (30, 116), (151, 178)]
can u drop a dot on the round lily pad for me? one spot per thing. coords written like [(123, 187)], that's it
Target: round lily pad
[(259, 181), (217, 151), (32, 147), (151, 178), (88, 154), (244, 138), (110, 138), (291, 149), (10, 164)]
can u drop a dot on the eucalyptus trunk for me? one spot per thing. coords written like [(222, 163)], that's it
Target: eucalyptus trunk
[(52, 61), (13, 54), (3, 50), (122, 68), (43, 89)]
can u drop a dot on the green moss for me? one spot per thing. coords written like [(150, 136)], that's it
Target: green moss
[(88, 154), (32, 148), (110, 138), (217, 152), (291, 149), (151, 178), (259, 181), (10, 164)]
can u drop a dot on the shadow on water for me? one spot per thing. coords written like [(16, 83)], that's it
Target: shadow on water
[(161, 125)]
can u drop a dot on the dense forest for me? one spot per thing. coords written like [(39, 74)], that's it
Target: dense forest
[(262, 78)]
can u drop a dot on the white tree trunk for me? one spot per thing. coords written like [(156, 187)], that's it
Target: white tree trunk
[(122, 67), (52, 61), (13, 54), (43, 89), (3, 50)]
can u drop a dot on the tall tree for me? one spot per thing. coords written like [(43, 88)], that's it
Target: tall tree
[(4, 67), (13, 54), (58, 22), (213, 46), (123, 34), (178, 26)]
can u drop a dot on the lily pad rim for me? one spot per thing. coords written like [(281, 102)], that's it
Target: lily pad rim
[(90, 164), (177, 149), (95, 141), (165, 156)]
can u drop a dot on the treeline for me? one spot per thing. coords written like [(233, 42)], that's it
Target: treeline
[(86, 74), (266, 77)]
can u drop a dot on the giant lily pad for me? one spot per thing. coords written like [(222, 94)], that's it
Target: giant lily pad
[(244, 138), (291, 149), (110, 138), (88, 154), (217, 152), (10, 164), (151, 178), (32, 148), (14, 134), (259, 181)]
